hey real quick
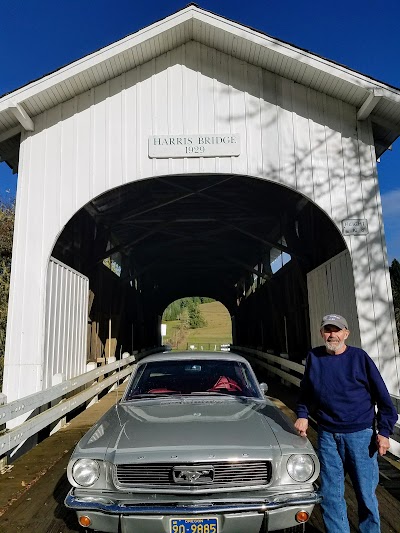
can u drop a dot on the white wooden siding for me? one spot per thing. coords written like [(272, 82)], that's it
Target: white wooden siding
[(290, 134), (65, 330)]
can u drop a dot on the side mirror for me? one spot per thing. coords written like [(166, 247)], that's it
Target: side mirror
[(264, 388)]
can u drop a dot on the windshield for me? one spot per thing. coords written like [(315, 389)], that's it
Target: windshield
[(191, 377)]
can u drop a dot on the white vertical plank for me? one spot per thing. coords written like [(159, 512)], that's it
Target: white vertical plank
[(175, 101), (338, 197), (131, 126), (67, 200), (253, 120), (82, 317), (123, 130), (302, 146), (48, 338), (269, 125), (351, 166), (69, 328), (145, 125), (287, 168), (51, 199), (76, 328), (191, 99), (318, 151), (160, 107), (209, 100), (84, 146), (100, 139), (348, 288), (114, 133), (238, 112), (222, 109), (61, 312)]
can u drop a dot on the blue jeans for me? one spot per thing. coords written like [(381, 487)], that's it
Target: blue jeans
[(355, 454)]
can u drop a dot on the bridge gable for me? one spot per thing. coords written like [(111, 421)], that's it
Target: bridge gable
[(288, 134)]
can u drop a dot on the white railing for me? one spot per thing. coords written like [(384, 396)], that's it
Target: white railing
[(294, 372), (96, 381)]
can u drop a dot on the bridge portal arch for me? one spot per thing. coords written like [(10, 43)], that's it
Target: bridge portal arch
[(194, 99), (151, 241)]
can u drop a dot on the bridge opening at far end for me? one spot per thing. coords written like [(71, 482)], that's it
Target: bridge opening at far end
[(196, 323)]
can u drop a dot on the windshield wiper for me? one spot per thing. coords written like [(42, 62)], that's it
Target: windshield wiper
[(211, 393), (151, 395)]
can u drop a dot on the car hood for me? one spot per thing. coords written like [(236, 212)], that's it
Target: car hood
[(191, 429)]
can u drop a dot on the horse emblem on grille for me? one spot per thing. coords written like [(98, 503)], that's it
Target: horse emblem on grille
[(192, 475)]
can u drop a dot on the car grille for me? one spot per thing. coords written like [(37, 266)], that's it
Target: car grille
[(225, 474)]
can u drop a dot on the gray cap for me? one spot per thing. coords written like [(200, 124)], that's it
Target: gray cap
[(334, 320)]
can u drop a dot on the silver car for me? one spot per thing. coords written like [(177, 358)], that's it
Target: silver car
[(194, 446)]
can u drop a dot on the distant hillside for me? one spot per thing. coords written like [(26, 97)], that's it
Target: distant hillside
[(218, 330)]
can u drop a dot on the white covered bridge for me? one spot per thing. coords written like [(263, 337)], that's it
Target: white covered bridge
[(192, 156)]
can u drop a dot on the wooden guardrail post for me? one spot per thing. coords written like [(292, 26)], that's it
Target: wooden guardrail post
[(91, 366), (57, 379)]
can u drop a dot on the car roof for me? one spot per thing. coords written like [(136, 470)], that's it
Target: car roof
[(190, 356)]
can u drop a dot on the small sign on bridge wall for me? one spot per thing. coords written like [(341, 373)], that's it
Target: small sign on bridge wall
[(198, 145), (355, 226)]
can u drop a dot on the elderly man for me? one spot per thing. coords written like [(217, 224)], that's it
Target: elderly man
[(345, 392)]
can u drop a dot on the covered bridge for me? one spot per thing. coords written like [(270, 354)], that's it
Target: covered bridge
[(192, 157)]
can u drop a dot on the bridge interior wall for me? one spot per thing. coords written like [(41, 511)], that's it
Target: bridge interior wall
[(65, 323)]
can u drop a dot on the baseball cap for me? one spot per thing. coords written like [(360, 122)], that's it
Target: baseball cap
[(334, 320)]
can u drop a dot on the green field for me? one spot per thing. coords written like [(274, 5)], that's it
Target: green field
[(218, 330)]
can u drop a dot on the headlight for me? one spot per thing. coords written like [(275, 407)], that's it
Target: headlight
[(300, 467), (86, 472)]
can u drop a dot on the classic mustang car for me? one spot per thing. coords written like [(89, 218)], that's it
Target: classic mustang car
[(194, 446)]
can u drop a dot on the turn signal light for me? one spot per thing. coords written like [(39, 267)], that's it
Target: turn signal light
[(84, 521), (302, 516)]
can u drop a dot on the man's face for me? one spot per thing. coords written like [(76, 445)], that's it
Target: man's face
[(334, 338)]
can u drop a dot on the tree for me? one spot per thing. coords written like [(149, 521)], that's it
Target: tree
[(394, 270), (177, 309), (7, 212), (195, 318)]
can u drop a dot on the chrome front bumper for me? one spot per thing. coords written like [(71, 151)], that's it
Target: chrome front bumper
[(112, 506), (114, 515)]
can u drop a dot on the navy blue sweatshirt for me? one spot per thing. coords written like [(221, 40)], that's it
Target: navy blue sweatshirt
[(341, 391)]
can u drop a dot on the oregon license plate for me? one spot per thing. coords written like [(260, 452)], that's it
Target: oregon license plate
[(194, 525)]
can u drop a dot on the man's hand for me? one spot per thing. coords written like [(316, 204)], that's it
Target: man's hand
[(382, 444), (301, 425)]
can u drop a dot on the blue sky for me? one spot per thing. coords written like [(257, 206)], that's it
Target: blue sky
[(38, 36)]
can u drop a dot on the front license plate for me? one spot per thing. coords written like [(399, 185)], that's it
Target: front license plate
[(194, 525)]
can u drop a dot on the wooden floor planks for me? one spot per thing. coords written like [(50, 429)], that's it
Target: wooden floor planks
[(33, 491)]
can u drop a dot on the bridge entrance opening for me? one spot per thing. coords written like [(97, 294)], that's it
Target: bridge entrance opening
[(246, 242)]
